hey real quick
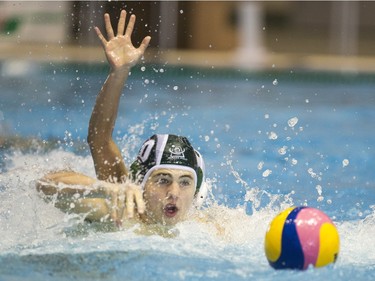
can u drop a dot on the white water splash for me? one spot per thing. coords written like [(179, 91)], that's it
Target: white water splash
[(33, 226)]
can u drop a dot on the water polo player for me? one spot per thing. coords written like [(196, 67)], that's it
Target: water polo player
[(164, 181)]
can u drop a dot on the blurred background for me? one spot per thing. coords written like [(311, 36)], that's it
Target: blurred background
[(327, 35)]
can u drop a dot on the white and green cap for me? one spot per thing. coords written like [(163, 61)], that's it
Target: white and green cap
[(167, 151)]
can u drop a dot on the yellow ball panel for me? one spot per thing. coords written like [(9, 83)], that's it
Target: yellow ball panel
[(273, 237), (329, 245)]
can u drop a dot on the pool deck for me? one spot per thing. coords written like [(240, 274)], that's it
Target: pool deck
[(209, 59)]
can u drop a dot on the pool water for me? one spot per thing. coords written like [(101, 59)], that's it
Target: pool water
[(270, 140)]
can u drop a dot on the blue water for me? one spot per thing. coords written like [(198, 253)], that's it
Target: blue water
[(270, 140)]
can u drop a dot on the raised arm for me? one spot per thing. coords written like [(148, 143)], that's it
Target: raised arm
[(121, 55)]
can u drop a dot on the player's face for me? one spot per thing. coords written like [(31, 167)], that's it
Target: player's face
[(169, 194)]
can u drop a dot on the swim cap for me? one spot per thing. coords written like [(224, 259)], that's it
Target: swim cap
[(167, 151)]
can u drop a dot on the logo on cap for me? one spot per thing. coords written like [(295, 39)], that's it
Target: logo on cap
[(177, 153)]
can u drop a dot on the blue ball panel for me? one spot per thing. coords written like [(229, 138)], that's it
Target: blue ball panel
[(291, 251)]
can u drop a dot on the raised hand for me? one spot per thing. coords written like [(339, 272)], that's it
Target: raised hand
[(119, 49)]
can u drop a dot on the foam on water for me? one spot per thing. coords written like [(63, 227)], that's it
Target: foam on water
[(229, 246)]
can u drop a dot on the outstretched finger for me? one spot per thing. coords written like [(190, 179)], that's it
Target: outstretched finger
[(114, 206), (100, 36), (108, 26), (130, 204), (141, 206), (144, 44), (130, 27), (121, 23)]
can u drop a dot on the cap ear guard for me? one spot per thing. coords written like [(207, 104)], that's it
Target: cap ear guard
[(201, 195), (202, 190)]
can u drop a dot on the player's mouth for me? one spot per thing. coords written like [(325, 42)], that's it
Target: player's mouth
[(170, 210)]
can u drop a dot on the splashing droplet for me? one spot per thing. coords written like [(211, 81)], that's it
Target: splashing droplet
[(282, 150), (266, 173), (272, 136), (345, 162), (260, 165), (292, 122)]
